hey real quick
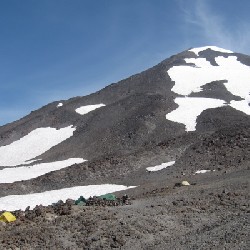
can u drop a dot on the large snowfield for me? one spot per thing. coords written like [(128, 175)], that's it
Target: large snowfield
[(190, 78), (190, 108), (32, 145), (214, 48), (198, 72), (15, 202), (10, 175)]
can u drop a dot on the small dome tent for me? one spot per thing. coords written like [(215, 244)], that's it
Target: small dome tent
[(108, 197), (185, 183), (7, 217)]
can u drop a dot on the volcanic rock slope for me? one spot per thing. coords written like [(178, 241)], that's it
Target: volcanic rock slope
[(189, 112)]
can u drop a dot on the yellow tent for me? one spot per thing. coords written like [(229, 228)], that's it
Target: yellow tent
[(7, 217)]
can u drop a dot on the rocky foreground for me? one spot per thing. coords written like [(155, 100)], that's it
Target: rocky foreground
[(213, 213)]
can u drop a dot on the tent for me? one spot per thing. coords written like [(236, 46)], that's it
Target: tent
[(80, 201), (185, 183), (108, 197), (7, 217)]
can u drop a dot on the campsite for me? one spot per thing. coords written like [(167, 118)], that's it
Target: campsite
[(160, 216), (125, 125)]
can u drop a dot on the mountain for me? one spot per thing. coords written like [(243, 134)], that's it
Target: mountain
[(187, 115)]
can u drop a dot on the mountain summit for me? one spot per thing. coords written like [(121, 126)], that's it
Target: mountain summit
[(125, 115), (195, 92), (192, 93), (185, 118)]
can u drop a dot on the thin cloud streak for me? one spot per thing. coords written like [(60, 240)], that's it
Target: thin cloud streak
[(212, 28)]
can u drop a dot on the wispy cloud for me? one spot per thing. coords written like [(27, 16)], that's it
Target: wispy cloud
[(212, 27)]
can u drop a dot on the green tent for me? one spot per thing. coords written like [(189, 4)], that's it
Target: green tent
[(108, 197), (80, 201)]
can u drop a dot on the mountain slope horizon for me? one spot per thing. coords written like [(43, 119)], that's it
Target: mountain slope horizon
[(185, 97), (185, 119), (151, 93)]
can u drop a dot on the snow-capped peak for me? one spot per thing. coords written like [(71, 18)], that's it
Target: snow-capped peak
[(191, 79), (214, 48)]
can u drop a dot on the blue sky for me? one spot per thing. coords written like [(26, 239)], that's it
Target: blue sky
[(56, 49)]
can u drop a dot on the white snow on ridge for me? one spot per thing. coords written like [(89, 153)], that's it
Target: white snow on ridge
[(32, 145), (15, 202), (236, 73), (160, 167), (198, 62), (10, 175), (190, 79), (59, 105), (214, 48), (88, 108), (190, 108)]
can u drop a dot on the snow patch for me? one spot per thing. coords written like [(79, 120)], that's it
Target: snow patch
[(86, 109), (190, 79), (236, 73), (160, 167), (15, 202), (242, 106), (214, 48), (198, 62), (202, 171), (32, 145), (190, 108), (10, 175), (59, 105)]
